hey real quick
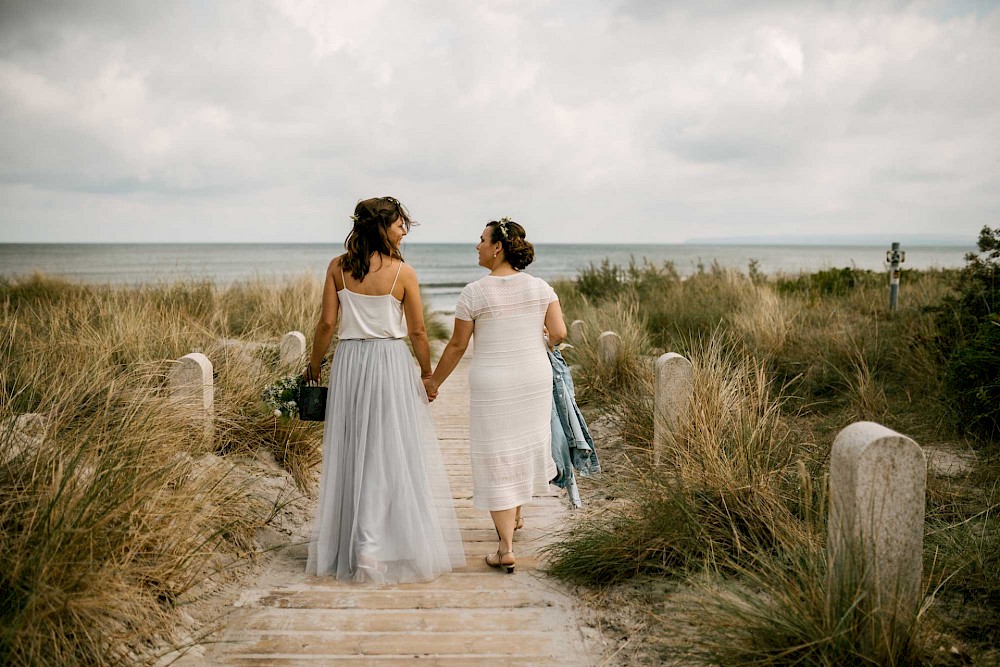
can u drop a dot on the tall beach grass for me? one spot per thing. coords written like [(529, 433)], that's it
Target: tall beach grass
[(115, 510), (736, 506)]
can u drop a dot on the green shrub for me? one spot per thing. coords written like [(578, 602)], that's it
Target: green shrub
[(974, 376), (609, 281), (825, 282), (601, 282), (39, 289), (693, 310), (969, 338)]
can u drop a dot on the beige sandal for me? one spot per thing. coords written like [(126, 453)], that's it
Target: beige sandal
[(499, 562)]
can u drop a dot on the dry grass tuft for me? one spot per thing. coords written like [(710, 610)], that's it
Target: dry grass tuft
[(725, 487), (765, 320), (783, 610), (114, 508), (737, 505)]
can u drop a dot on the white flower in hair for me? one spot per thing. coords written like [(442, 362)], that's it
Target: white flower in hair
[(355, 218), (503, 225)]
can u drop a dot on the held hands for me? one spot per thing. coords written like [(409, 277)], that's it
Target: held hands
[(431, 388)]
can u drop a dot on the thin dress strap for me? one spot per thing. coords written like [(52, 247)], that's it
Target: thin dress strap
[(396, 278), (342, 278)]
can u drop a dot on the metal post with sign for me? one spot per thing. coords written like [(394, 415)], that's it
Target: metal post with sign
[(894, 257)]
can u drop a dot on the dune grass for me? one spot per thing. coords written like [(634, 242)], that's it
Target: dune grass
[(736, 505), (782, 610), (115, 510), (726, 485)]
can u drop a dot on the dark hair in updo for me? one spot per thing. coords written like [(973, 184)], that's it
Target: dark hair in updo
[(516, 249), (372, 219)]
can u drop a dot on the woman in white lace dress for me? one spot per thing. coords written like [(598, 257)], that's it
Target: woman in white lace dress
[(385, 511), (510, 380)]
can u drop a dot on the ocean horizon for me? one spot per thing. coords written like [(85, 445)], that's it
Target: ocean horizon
[(443, 268)]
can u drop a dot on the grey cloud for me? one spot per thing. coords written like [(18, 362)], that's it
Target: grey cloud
[(711, 116)]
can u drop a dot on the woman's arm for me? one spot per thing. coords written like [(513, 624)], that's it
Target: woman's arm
[(453, 352), (413, 308), (554, 324), (327, 322)]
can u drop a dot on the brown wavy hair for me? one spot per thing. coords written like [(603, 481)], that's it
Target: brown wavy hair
[(370, 234), (516, 249)]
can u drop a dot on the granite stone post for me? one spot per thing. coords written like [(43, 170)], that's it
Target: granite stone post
[(23, 433), (876, 523), (608, 346), (577, 331), (292, 349), (672, 398), (244, 355), (192, 388)]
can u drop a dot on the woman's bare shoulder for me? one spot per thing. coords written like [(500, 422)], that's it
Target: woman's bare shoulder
[(336, 263), (407, 271), (408, 277)]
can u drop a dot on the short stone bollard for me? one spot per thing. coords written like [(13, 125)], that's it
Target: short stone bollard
[(192, 387), (876, 522), (292, 349), (577, 331), (672, 398), (609, 344), (24, 433), (226, 351)]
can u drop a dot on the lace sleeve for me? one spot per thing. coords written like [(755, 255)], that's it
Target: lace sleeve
[(463, 308), (550, 293)]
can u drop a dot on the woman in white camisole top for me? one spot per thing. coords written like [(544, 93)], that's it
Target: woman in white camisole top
[(385, 511)]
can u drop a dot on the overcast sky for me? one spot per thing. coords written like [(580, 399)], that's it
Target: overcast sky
[(632, 121)]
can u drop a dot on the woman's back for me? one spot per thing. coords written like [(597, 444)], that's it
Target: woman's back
[(385, 510), (510, 385), (382, 278), (372, 307), (509, 312)]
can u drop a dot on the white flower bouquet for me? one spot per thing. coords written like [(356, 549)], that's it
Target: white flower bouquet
[(280, 397)]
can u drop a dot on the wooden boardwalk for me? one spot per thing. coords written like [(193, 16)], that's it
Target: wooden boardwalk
[(474, 616)]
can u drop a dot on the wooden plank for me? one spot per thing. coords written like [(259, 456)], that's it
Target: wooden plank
[(540, 644), (500, 659), (458, 582), (400, 620), (379, 599)]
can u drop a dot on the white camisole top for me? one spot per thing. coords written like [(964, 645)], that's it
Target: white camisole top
[(363, 316)]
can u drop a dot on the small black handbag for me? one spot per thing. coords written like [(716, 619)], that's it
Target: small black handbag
[(312, 401)]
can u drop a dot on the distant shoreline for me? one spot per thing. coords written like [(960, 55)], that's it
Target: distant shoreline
[(443, 268), (725, 243), (912, 241)]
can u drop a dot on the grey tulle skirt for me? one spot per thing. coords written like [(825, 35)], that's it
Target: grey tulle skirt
[(385, 511)]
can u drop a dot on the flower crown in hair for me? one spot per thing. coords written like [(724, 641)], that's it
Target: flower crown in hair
[(502, 225), (392, 200)]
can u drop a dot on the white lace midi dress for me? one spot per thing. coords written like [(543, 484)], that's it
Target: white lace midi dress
[(510, 382), (385, 512)]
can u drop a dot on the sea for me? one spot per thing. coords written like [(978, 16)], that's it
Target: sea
[(443, 268)]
